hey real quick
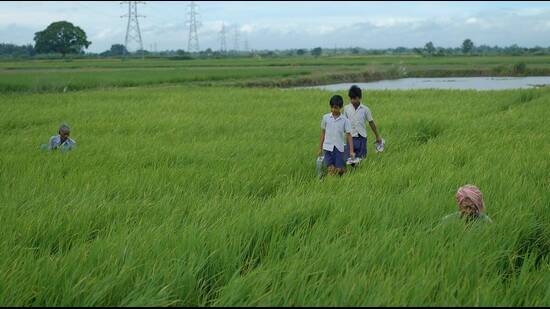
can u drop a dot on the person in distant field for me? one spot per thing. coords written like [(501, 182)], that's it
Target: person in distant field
[(470, 205), (359, 114), (334, 129), (62, 140)]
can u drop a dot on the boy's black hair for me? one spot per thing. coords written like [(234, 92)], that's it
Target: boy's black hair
[(355, 92), (336, 100), (65, 127)]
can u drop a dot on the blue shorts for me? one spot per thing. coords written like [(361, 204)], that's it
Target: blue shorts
[(335, 158), (359, 146)]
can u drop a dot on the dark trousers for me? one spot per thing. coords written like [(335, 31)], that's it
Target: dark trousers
[(359, 147)]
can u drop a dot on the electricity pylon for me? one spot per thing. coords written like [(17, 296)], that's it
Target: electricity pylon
[(133, 33), (194, 24), (236, 41), (245, 47), (223, 42)]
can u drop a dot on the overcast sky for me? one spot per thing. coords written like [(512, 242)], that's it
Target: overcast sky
[(282, 25)]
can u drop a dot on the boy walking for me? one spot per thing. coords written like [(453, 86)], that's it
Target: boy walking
[(359, 114), (334, 127)]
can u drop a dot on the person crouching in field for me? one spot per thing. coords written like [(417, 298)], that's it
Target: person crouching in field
[(359, 114), (334, 127), (62, 140), (470, 205)]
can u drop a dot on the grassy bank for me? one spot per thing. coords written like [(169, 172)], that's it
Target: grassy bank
[(59, 76), (352, 76)]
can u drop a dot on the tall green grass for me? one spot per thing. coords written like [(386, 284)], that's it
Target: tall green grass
[(193, 196), (81, 79), (275, 61)]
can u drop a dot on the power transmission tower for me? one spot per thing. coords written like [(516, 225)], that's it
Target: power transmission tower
[(194, 24), (236, 42), (223, 42), (133, 33), (245, 47)]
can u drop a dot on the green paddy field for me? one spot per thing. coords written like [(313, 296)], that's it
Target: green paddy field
[(191, 187)]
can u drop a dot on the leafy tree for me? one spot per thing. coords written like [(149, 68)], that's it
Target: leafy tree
[(467, 46), (207, 52), (61, 37), (513, 50), (440, 52), (400, 50), (301, 52), (429, 48), (181, 52), (317, 51), (142, 52), (12, 50), (118, 50)]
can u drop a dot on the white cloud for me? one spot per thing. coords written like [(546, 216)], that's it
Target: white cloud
[(104, 34), (530, 11), (276, 26), (387, 22), (247, 28)]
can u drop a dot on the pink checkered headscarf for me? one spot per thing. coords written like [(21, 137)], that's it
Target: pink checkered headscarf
[(470, 194)]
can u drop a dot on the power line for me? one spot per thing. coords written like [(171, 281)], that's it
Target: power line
[(133, 32), (194, 24)]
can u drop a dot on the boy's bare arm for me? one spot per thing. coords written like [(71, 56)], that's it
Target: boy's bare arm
[(350, 146), (375, 131), (322, 142)]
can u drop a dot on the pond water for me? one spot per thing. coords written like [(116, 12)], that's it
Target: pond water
[(475, 83)]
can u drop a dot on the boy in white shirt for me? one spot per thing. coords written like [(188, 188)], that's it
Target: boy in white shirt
[(359, 114), (334, 126)]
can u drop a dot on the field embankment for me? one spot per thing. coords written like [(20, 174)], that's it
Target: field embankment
[(62, 76)]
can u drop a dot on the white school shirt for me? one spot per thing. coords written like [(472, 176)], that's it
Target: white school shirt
[(358, 118), (335, 130), (55, 142)]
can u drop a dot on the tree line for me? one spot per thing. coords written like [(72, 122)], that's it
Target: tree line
[(63, 38)]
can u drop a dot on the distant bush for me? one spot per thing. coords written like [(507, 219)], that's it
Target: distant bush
[(501, 69), (519, 68), (181, 58), (317, 51)]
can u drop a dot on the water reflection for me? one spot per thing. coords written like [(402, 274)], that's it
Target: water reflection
[(474, 83)]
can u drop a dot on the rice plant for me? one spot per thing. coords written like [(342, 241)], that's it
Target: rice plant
[(186, 196)]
